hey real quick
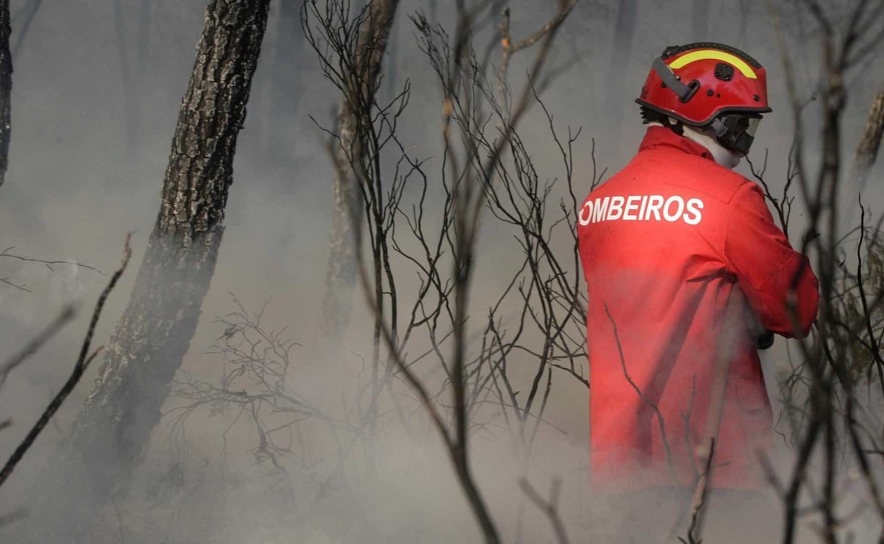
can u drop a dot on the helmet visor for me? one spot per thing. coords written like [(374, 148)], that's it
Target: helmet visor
[(740, 123), (740, 131)]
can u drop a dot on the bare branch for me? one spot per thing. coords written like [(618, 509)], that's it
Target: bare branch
[(550, 508), (66, 315), (6, 254), (79, 368)]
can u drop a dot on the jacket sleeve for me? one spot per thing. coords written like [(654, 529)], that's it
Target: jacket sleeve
[(758, 253)]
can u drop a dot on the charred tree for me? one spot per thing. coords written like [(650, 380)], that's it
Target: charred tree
[(353, 120), (5, 88), (112, 430), (869, 144)]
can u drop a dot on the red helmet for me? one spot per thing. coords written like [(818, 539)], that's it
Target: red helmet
[(704, 85)]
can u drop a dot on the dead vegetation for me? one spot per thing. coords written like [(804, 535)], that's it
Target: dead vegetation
[(436, 361)]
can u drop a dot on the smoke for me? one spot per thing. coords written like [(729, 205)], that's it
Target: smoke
[(73, 190)]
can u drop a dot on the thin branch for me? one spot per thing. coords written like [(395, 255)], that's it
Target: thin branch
[(66, 315), (642, 396), (79, 368), (6, 253), (550, 508)]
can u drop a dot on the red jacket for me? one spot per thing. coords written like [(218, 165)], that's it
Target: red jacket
[(663, 243)]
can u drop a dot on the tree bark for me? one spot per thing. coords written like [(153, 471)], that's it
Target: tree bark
[(342, 267), (869, 144), (5, 89), (113, 429)]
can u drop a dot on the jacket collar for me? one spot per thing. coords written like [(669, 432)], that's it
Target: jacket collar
[(664, 138)]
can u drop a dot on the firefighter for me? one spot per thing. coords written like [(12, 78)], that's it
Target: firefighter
[(680, 253)]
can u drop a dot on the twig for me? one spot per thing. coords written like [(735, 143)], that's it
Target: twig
[(506, 41), (644, 399), (66, 315), (699, 501), (550, 508), (82, 364), (5, 253), (15, 285)]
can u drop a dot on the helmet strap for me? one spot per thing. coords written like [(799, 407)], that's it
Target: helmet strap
[(674, 125), (684, 92), (718, 127), (728, 139)]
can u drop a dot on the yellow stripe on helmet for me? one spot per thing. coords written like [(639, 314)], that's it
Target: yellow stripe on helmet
[(706, 54)]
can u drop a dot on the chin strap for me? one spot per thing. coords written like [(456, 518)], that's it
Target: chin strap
[(739, 143), (719, 128), (675, 127)]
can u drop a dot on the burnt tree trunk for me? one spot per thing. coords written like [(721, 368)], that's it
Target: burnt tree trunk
[(870, 143), (113, 429), (361, 89), (5, 89)]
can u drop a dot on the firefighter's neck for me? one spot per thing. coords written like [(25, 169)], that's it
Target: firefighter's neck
[(722, 156)]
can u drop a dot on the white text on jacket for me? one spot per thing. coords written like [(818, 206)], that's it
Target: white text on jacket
[(641, 208)]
